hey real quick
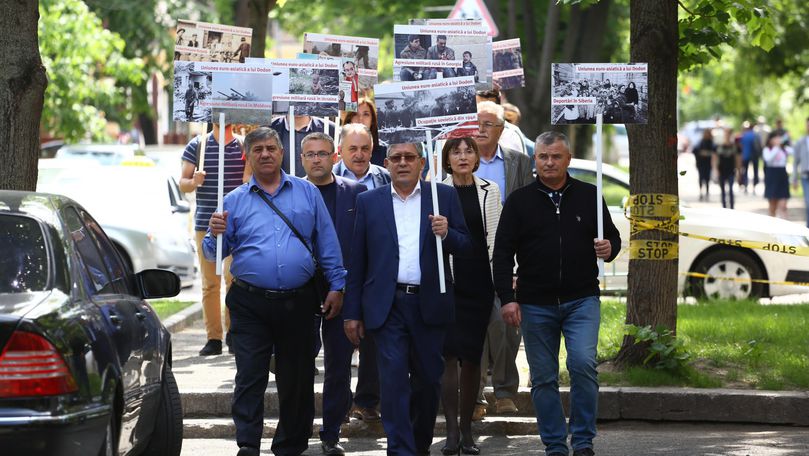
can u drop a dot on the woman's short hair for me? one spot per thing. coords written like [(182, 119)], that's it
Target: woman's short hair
[(453, 144)]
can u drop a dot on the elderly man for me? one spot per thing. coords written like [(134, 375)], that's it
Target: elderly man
[(551, 227), (512, 137), (393, 293), (510, 170), (340, 196), (270, 226), (356, 146)]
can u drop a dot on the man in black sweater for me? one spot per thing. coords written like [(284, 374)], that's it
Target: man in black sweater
[(551, 227)]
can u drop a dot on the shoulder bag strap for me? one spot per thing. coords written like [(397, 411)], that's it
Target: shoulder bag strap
[(297, 233)]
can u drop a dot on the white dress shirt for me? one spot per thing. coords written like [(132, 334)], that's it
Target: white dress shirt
[(407, 212)]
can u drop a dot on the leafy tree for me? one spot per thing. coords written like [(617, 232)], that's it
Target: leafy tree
[(87, 70)]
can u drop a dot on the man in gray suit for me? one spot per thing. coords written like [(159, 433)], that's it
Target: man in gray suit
[(511, 170), (801, 167)]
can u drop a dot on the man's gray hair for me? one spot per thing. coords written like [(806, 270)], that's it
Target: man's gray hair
[(355, 128), (261, 134), (492, 108), (317, 136), (419, 148), (549, 137)]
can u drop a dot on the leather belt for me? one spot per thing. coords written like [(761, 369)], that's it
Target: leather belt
[(264, 292), (407, 288)]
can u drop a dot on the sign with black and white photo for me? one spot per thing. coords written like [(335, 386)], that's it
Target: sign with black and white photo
[(508, 69), (205, 42), (359, 59), (441, 52), (618, 91), (204, 89), (311, 86), (407, 110)]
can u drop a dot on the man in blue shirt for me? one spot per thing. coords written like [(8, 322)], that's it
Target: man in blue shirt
[(273, 296)]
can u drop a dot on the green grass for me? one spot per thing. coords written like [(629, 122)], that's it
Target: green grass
[(736, 344), (167, 307)]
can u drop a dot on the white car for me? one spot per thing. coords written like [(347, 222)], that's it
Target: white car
[(731, 270), (139, 207)]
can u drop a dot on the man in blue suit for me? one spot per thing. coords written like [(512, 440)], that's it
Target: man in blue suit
[(393, 293), (340, 195)]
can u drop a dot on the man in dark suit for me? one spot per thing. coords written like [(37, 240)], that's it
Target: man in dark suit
[(340, 195), (393, 293)]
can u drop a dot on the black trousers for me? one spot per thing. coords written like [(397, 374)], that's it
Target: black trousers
[(259, 325)]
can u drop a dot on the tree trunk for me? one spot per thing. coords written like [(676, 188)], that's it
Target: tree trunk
[(652, 295), (259, 15), (511, 32), (242, 13), (22, 93), (542, 89)]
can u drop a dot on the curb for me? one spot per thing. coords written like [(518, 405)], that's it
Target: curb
[(184, 318), (207, 414)]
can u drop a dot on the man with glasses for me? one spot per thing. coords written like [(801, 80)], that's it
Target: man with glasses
[(393, 293), (510, 170), (340, 196), (356, 146), (273, 296)]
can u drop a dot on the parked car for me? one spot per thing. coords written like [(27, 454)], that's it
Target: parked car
[(85, 364), (140, 207), (106, 154), (738, 266)]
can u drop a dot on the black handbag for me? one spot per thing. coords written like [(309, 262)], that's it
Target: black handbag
[(319, 282)]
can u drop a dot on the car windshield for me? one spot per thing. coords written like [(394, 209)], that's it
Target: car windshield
[(24, 264)]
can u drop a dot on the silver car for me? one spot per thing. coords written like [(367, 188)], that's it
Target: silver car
[(139, 207)]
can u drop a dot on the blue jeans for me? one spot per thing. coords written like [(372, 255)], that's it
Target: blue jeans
[(542, 328)]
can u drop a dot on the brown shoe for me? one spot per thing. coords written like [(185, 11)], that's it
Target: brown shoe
[(479, 412), (367, 414), (506, 405)]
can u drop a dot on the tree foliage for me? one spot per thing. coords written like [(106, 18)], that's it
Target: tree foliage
[(87, 71)]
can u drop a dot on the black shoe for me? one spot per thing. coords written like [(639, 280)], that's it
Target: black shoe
[(213, 347), (247, 451), (556, 454), (449, 450), (228, 343), (471, 449), (332, 448), (584, 452)]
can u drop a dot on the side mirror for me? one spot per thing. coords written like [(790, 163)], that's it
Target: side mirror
[(157, 283), (182, 207)]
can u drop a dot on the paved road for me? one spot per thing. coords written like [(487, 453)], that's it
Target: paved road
[(615, 439)]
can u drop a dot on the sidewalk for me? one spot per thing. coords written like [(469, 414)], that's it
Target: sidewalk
[(206, 384)]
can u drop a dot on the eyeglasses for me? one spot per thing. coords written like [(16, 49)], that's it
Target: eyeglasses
[(488, 125), (321, 154), (408, 158)]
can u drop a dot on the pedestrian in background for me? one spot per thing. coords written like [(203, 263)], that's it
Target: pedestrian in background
[(703, 152), (776, 180), (800, 168), (727, 163)]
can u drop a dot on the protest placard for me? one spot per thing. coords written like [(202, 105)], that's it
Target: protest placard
[(442, 51), (205, 42), (617, 91), (407, 111), (311, 86), (508, 69), (204, 89), (358, 57)]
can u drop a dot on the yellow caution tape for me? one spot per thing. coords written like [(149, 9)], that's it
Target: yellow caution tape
[(650, 249), (653, 205), (700, 275)]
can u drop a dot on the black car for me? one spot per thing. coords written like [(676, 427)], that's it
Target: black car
[(85, 364)]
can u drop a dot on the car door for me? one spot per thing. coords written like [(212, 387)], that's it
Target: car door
[(614, 193), (105, 283)]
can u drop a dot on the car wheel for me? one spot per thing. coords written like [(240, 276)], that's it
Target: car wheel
[(167, 437), (108, 446), (731, 274)]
